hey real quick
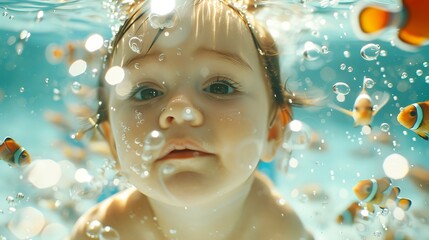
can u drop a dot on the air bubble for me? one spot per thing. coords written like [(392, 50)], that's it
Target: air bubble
[(343, 66), (161, 57), (152, 145), (297, 135), (404, 75), (87, 189), (109, 233), (311, 51), (346, 54), (39, 16), (384, 127), (419, 72), (93, 229), (341, 97), (21, 89), (160, 22), (341, 88), (350, 69), (135, 44), (366, 130), (76, 87), (179, 52), (369, 82), (188, 114), (427, 79), (370, 51)]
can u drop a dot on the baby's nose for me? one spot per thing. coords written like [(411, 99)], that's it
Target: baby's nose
[(179, 110)]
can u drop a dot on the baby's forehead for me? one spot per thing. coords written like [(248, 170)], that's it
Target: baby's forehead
[(208, 24)]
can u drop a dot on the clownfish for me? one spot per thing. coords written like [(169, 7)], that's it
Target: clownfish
[(349, 215), (363, 108), (13, 153), (411, 20), (396, 235), (378, 192), (416, 118)]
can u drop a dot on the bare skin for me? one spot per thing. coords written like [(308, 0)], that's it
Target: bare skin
[(131, 214)]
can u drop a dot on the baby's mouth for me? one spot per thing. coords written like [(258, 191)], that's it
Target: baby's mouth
[(184, 154)]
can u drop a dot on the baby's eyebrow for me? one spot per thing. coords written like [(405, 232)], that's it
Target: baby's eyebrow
[(236, 59)]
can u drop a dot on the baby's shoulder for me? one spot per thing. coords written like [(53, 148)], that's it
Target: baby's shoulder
[(121, 212)]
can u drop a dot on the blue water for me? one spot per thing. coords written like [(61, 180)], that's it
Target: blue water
[(30, 86)]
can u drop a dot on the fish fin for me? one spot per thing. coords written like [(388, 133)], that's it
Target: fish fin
[(380, 101), (424, 136), (406, 37), (340, 109), (373, 19), (404, 203)]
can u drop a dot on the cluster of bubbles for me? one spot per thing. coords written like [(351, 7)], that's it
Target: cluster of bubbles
[(96, 230), (297, 136), (151, 149)]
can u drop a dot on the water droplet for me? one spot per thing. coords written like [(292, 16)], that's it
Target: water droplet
[(350, 69), (20, 196), (404, 75), (21, 90), (369, 82), (109, 233), (384, 127), (341, 88), (161, 57), (135, 44), (370, 51), (425, 64), (152, 145), (76, 87), (427, 79), (93, 229), (343, 66), (297, 135), (383, 53), (419, 72), (179, 52), (311, 51)]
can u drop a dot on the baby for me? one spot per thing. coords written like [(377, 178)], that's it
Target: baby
[(191, 101)]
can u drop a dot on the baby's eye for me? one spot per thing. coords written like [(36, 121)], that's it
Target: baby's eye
[(146, 93), (221, 87)]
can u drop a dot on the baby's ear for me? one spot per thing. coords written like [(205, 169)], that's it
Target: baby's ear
[(275, 134)]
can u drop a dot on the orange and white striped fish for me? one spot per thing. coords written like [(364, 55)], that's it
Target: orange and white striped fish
[(13, 153), (416, 118), (349, 215), (379, 192), (363, 109), (411, 20)]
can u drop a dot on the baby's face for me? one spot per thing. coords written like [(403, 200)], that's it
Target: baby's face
[(201, 86)]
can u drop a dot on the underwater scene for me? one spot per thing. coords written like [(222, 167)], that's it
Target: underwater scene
[(353, 164)]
